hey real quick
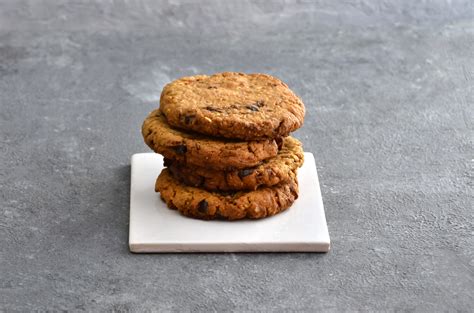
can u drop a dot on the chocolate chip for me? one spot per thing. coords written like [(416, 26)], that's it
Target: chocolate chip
[(203, 206), (245, 172), (212, 109), (253, 107), (260, 103), (189, 118), (181, 149)]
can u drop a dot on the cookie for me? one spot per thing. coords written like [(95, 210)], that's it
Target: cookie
[(203, 151), (202, 204), (273, 171), (233, 105)]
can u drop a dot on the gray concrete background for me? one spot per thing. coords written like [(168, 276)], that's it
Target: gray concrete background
[(388, 87)]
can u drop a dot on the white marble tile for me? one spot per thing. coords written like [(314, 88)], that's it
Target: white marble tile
[(155, 228)]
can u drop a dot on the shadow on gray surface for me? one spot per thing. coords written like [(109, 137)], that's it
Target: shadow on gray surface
[(123, 174)]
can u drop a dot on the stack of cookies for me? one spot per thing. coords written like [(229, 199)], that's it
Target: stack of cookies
[(226, 147)]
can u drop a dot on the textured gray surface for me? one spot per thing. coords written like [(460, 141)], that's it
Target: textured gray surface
[(389, 92)]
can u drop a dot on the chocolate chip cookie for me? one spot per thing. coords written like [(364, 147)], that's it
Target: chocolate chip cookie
[(273, 171), (203, 151), (233, 105), (202, 204)]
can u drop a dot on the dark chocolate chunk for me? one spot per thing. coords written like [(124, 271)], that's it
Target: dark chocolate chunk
[(181, 149), (245, 172), (203, 206), (189, 118), (253, 107), (212, 109)]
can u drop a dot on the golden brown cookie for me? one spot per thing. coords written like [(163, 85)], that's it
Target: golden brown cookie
[(202, 204), (204, 151), (233, 105), (273, 171)]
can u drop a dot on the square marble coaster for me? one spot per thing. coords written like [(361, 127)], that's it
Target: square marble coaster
[(155, 228)]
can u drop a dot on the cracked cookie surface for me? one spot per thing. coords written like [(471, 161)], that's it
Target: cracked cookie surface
[(202, 204), (273, 171), (201, 150), (233, 105)]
